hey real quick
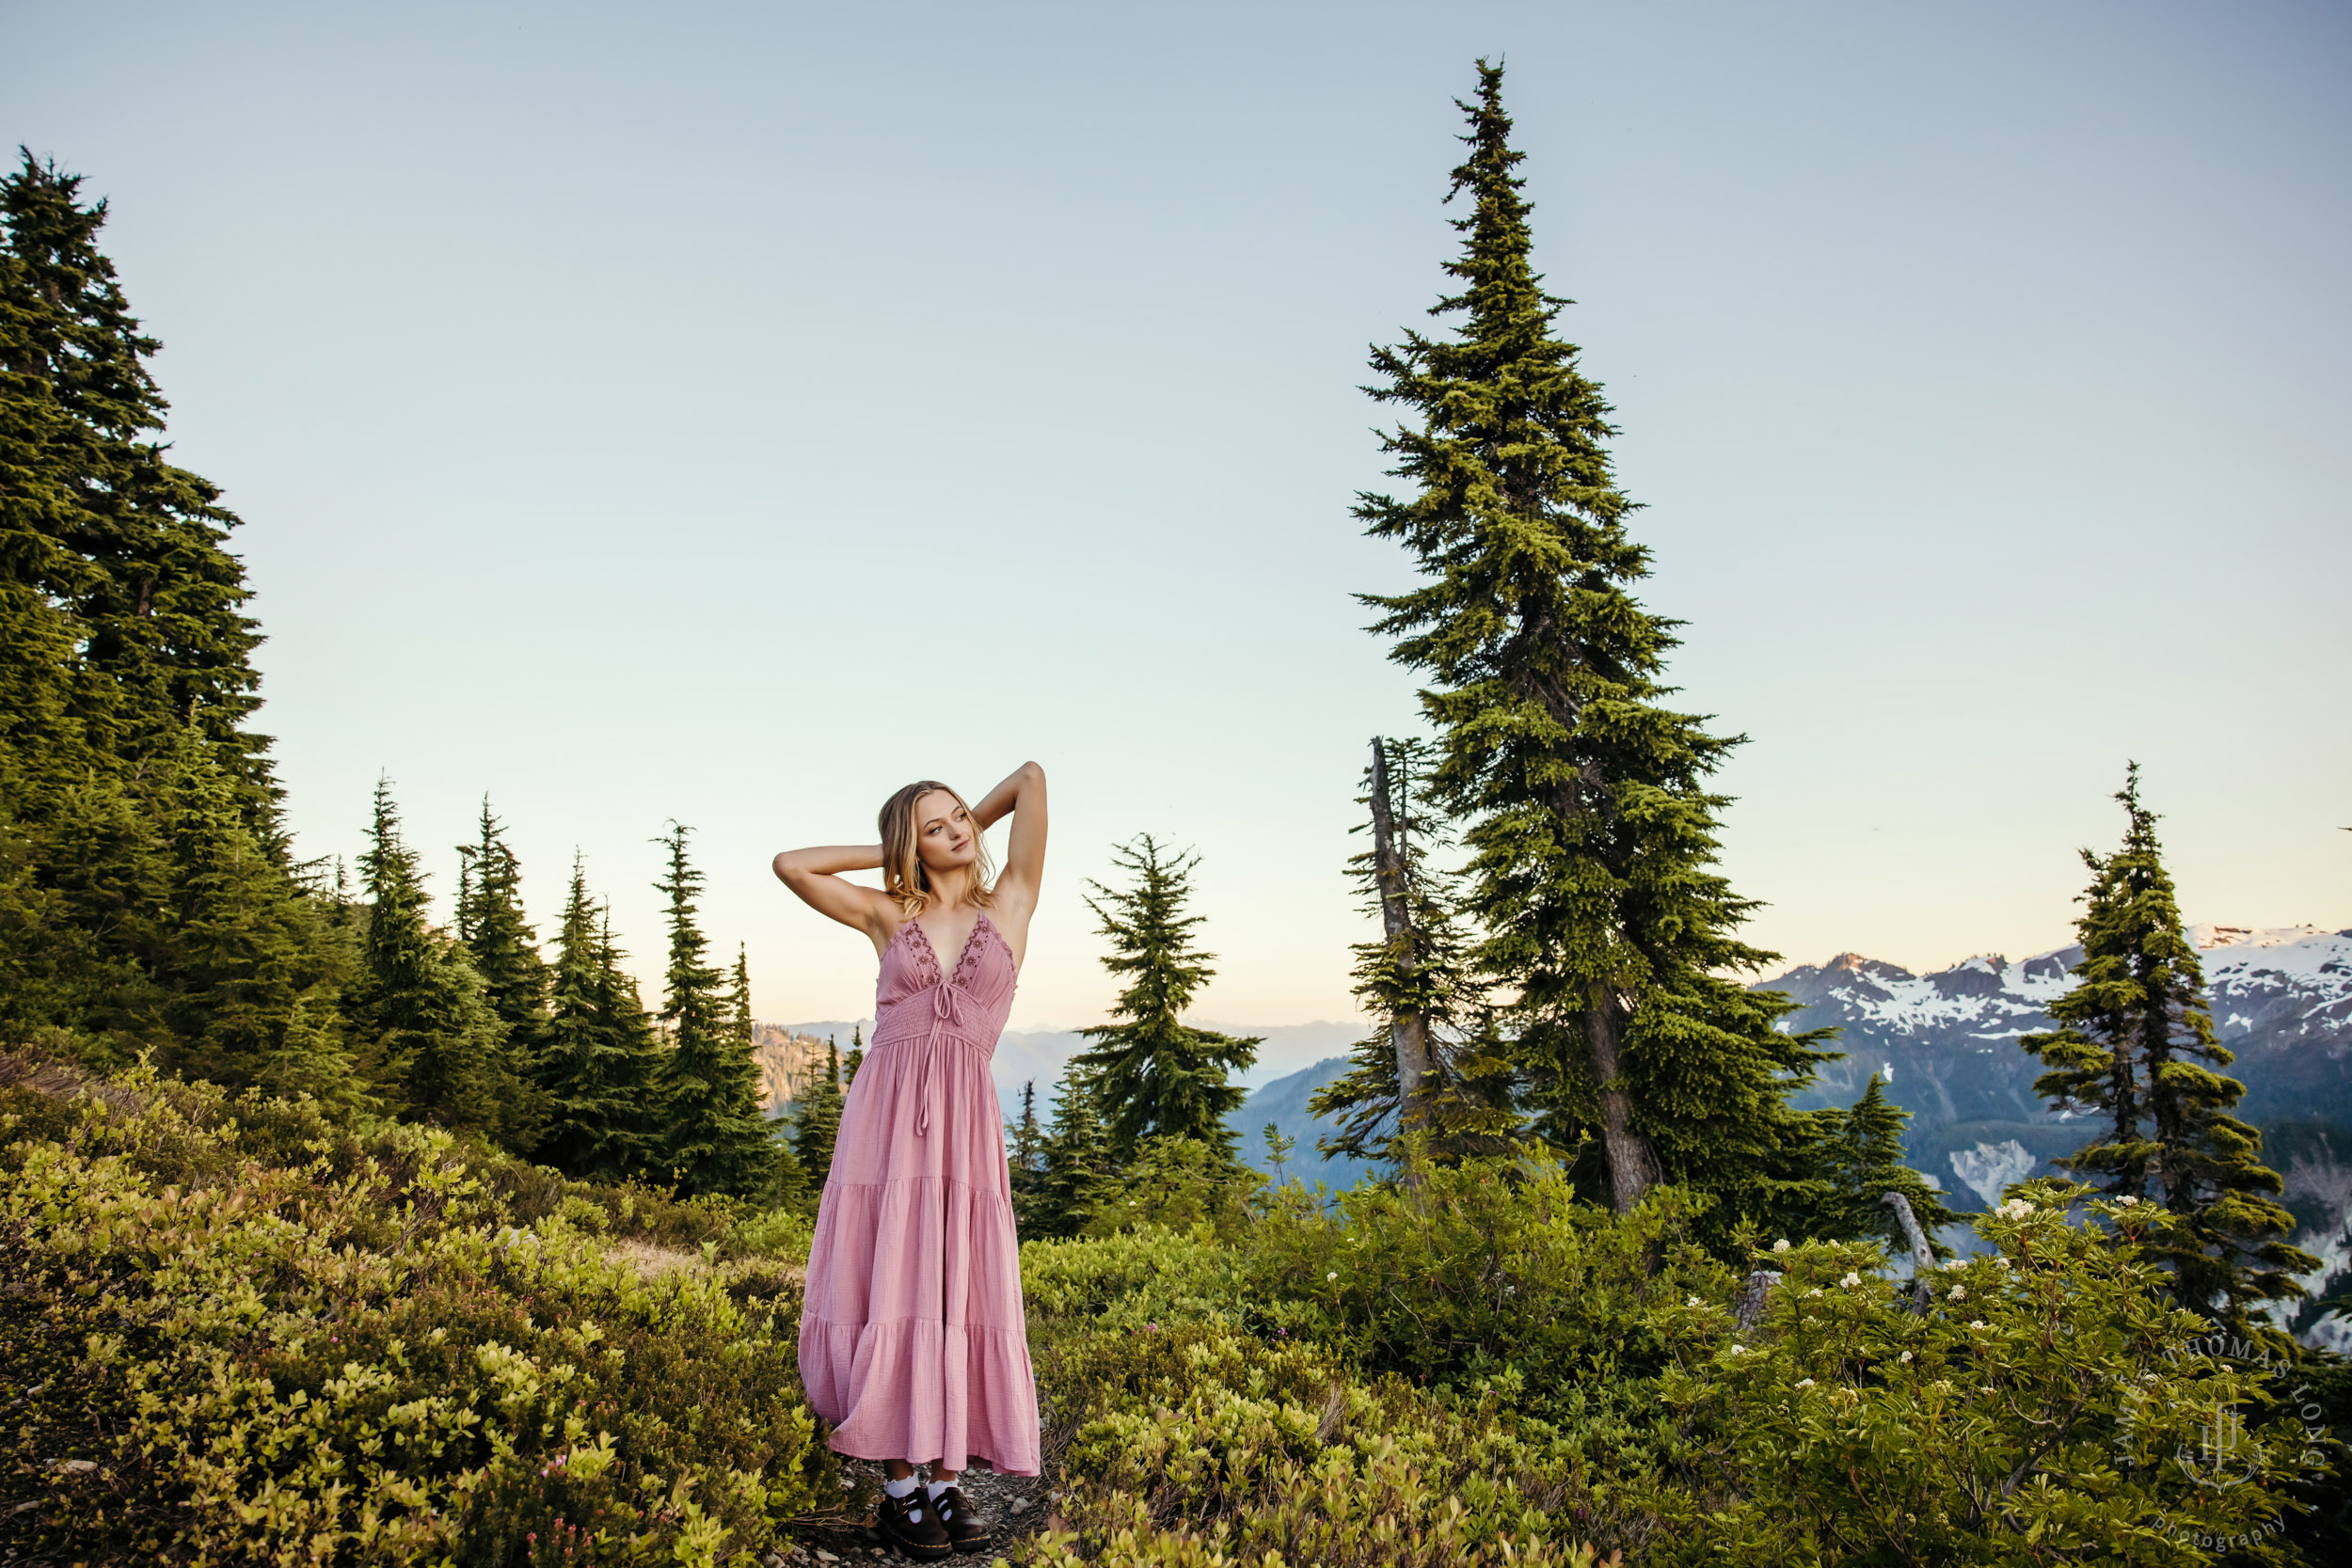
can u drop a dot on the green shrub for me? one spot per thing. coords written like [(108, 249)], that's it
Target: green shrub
[(1180, 1184), (2046, 1408), (1492, 1276), (370, 1355), (779, 1233), (1202, 1445), (1120, 1282)]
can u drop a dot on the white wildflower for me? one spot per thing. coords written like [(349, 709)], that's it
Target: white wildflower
[(1906, 1356), (1850, 1280), (2127, 1200), (1738, 1350), (1976, 1323), (1693, 1302), (1807, 1383), (1334, 1274), (2015, 1209), (1781, 1246), (1815, 1292), (1960, 1293)]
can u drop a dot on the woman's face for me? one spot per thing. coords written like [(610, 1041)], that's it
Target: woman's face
[(945, 833)]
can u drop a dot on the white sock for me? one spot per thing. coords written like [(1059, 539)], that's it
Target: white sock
[(937, 1487), (900, 1488)]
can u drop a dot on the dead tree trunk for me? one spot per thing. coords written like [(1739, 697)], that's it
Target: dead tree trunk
[(1408, 1026), (1922, 1256)]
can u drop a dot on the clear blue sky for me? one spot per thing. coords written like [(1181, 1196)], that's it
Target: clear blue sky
[(729, 412)]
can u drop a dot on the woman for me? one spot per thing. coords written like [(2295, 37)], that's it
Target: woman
[(913, 1343)]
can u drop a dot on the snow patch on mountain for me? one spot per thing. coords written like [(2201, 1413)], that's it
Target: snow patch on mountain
[(1989, 1167)]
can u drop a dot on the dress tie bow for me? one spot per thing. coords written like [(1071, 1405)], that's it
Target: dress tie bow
[(946, 1011)]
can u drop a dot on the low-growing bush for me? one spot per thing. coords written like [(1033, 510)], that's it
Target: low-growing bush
[(777, 1233), (2045, 1407), (1492, 1274), (1201, 1444), (336, 1355), (1479, 1366)]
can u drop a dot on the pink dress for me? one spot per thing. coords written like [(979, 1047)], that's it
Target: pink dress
[(913, 1343)]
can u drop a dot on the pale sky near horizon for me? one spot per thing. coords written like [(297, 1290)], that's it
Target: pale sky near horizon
[(729, 412)]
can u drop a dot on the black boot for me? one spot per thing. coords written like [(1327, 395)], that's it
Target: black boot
[(911, 1524), (964, 1530)]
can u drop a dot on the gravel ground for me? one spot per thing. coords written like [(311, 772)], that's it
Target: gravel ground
[(1012, 1507)]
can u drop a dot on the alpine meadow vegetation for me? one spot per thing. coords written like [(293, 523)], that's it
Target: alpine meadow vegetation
[(332, 1235)]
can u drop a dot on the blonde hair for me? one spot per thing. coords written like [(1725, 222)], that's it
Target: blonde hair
[(903, 876)]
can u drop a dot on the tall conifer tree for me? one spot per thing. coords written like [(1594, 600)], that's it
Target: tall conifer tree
[(1865, 1164), (1590, 831), (1080, 1170), (429, 1036), (1156, 1076), (717, 1136), (122, 632), (2135, 1049), (819, 1121), (599, 1057), (141, 565), (254, 974), (1024, 1152), (498, 937)]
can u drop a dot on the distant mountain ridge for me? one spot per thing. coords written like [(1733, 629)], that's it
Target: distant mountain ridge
[(788, 1063), (2281, 1001)]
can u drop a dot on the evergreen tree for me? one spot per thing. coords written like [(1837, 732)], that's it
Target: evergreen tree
[(1155, 1076), (716, 1135), (1430, 1020), (647, 1056), (819, 1120), (856, 1059), (498, 937), (135, 549), (122, 633), (2135, 1049), (788, 1181), (42, 450), (599, 1057), (1024, 1159), (1080, 1172), (428, 1034), (1865, 1164), (1590, 832), (254, 975)]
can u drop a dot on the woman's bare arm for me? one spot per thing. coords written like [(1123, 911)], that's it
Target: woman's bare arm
[(815, 875), (1022, 793)]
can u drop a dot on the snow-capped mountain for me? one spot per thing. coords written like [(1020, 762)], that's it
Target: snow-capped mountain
[(1947, 1043)]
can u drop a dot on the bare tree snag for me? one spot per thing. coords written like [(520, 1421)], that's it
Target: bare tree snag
[(1922, 1256), (1408, 1026)]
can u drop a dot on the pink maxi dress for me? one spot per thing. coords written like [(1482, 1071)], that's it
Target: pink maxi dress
[(913, 1338)]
